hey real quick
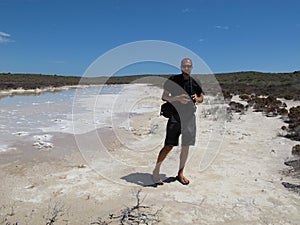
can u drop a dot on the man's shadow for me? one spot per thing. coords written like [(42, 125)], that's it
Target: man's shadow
[(145, 179)]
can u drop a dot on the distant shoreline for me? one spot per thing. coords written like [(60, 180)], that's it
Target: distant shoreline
[(37, 91), (281, 85)]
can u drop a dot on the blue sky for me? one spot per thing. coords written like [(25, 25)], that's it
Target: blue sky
[(64, 37)]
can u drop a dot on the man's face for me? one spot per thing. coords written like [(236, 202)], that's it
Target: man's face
[(186, 66)]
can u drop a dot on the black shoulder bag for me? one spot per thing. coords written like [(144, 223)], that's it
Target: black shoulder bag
[(167, 110)]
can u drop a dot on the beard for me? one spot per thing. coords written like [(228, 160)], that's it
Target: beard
[(186, 73)]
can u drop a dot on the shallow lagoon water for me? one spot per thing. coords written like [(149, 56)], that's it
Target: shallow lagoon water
[(75, 111), (21, 116)]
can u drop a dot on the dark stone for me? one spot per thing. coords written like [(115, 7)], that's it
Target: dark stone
[(293, 187), (296, 150), (237, 107)]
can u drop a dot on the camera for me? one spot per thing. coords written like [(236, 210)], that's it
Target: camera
[(190, 97)]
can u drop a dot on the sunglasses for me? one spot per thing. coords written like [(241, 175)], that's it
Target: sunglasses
[(186, 66)]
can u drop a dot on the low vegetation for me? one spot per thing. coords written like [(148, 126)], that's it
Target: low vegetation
[(280, 85), (57, 213)]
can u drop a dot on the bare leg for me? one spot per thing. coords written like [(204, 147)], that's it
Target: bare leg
[(183, 157), (161, 157)]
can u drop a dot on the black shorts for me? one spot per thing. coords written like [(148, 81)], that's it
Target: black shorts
[(187, 128)]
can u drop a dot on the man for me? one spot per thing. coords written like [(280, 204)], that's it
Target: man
[(182, 91)]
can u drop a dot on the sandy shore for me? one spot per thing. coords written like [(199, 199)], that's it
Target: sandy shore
[(235, 168), (38, 91)]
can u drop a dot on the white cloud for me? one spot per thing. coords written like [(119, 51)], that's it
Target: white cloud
[(4, 34), (4, 37), (222, 27), (201, 39), (186, 10)]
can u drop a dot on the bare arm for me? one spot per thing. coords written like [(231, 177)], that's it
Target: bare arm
[(179, 98)]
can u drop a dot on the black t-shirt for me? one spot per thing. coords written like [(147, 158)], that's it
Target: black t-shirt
[(177, 85)]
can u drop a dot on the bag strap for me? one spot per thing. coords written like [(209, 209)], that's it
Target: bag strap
[(191, 85)]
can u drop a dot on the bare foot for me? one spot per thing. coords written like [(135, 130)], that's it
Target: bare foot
[(183, 180), (156, 179)]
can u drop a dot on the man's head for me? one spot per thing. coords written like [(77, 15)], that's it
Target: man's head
[(186, 66)]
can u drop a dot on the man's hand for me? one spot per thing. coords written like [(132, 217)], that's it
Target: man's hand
[(197, 99)]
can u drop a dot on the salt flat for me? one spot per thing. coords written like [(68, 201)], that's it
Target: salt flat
[(104, 150)]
